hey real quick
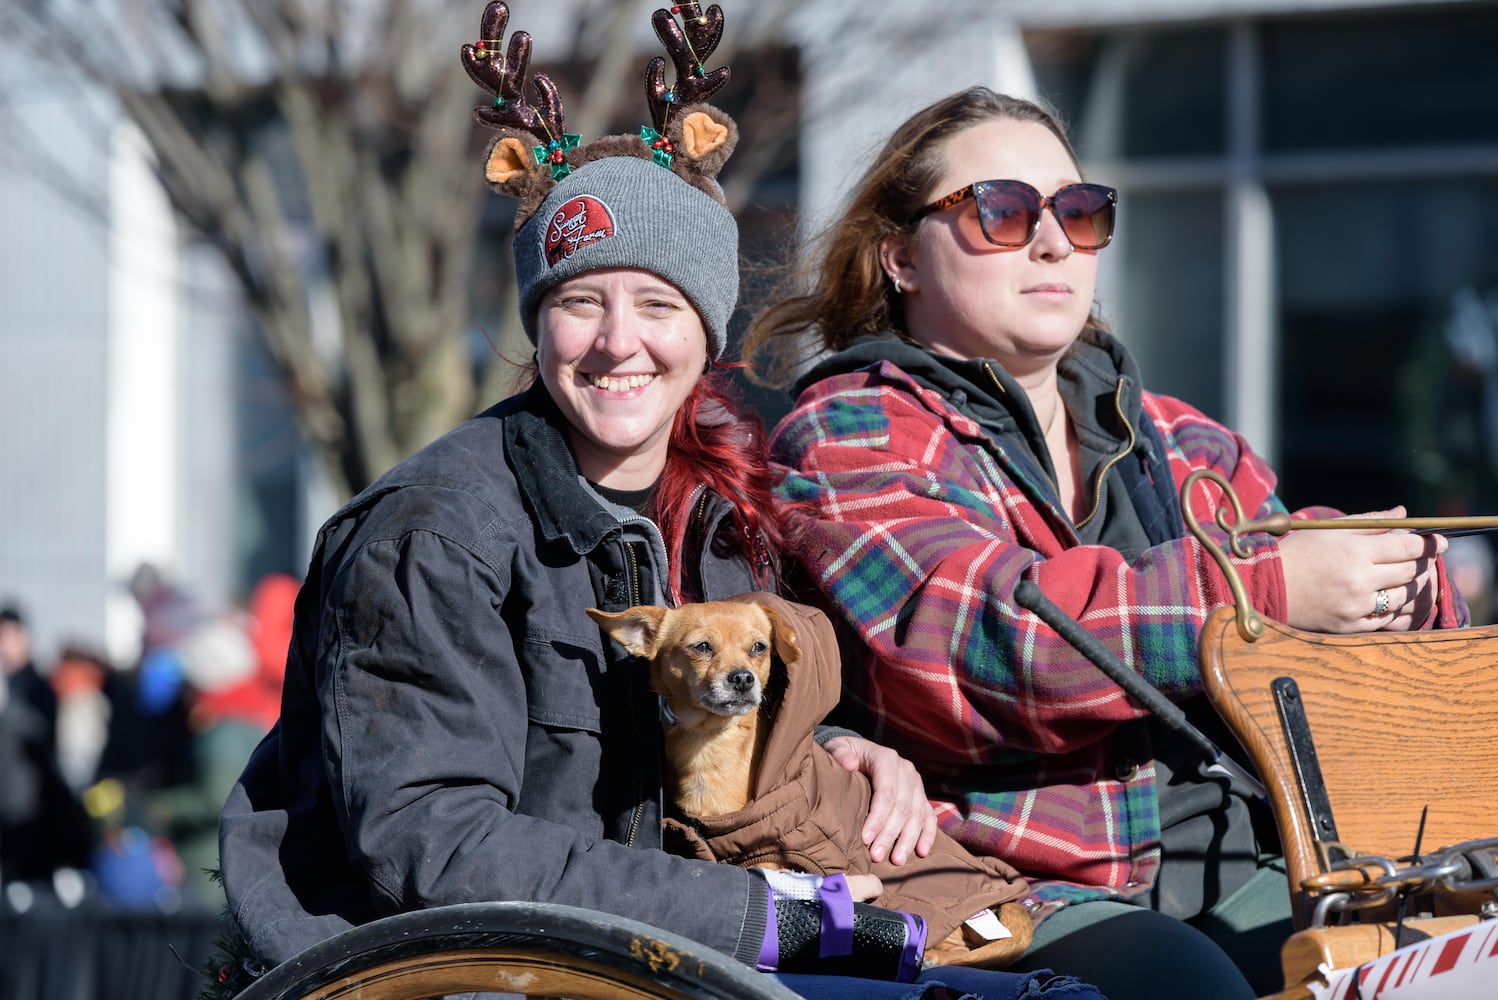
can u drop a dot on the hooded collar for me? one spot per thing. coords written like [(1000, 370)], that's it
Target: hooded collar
[(536, 448), (1097, 376)]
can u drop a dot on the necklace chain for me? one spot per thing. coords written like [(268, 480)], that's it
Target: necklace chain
[(1055, 412)]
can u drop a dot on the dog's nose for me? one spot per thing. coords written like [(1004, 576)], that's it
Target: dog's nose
[(741, 680)]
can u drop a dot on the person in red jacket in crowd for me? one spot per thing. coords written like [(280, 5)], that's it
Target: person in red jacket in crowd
[(234, 667)]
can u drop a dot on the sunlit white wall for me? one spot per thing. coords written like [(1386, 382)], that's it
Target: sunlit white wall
[(143, 390)]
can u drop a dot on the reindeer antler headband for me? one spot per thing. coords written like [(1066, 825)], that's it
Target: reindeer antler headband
[(650, 201), (534, 150)]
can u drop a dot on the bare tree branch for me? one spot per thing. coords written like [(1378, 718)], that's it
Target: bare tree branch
[(327, 150)]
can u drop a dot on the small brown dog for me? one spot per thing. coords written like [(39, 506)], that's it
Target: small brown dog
[(758, 793), (710, 663)]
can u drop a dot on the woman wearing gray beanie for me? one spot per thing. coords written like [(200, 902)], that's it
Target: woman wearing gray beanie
[(455, 727)]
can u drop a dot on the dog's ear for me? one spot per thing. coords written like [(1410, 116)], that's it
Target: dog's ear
[(783, 637), (636, 629)]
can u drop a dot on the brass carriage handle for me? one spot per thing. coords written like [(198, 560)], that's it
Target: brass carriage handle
[(1250, 625)]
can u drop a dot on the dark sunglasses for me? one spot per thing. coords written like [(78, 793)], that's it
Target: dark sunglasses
[(1009, 212)]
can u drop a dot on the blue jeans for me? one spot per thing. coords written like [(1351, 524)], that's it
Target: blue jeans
[(944, 983)]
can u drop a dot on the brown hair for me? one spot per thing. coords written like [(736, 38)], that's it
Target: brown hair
[(841, 293)]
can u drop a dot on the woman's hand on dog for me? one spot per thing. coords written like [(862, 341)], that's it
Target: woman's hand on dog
[(901, 819)]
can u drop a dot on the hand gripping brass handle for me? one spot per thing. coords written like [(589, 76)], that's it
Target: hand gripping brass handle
[(1249, 624)]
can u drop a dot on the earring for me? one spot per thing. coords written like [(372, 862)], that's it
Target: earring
[(899, 288)]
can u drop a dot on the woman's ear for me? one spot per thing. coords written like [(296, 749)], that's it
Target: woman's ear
[(898, 263)]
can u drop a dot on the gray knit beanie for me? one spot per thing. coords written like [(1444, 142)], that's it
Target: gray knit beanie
[(627, 211)]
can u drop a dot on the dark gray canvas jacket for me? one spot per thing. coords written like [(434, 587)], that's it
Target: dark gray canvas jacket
[(453, 726)]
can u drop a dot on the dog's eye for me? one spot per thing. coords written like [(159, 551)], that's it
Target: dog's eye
[(703, 648), (758, 649)]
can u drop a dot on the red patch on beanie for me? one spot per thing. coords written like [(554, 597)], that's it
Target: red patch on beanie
[(575, 224)]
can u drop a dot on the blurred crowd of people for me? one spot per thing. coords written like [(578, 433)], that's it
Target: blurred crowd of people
[(112, 775)]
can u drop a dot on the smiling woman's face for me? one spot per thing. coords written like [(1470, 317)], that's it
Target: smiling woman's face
[(965, 297), (619, 350)]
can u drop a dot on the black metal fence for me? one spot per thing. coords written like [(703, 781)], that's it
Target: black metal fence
[(94, 954)]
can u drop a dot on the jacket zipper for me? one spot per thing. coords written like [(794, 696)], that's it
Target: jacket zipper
[(637, 597), (634, 573), (1097, 486), (639, 814), (699, 513), (634, 592), (696, 533)]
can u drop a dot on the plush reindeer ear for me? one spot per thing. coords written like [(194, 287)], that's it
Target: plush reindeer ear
[(636, 629), (530, 154), (703, 135), (706, 137), (691, 137), (508, 159)]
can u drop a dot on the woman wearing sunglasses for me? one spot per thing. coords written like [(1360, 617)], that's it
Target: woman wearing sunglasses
[(971, 425)]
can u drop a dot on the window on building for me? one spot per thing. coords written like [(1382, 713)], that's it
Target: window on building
[(1372, 138)]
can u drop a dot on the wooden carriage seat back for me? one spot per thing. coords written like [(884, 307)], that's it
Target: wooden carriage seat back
[(1398, 722)]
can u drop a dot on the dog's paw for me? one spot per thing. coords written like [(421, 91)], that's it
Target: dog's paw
[(969, 946)]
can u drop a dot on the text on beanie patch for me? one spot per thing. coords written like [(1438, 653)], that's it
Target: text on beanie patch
[(576, 223)]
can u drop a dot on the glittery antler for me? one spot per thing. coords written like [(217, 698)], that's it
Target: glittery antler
[(688, 49), (530, 153), (533, 152), (504, 76)]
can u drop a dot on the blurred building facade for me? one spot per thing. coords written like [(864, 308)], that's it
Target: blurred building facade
[(140, 423), (1307, 248), (1307, 243)]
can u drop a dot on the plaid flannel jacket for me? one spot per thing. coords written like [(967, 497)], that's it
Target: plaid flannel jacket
[(917, 526)]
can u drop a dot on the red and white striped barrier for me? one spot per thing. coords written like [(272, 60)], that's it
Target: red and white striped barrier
[(1460, 965)]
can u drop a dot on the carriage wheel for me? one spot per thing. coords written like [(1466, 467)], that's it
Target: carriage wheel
[(525, 949)]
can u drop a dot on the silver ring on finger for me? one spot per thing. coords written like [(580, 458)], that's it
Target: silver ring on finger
[(1381, 603)]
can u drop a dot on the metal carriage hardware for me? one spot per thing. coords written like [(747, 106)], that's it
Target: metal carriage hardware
[(1239, 527), (1344, 879)]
